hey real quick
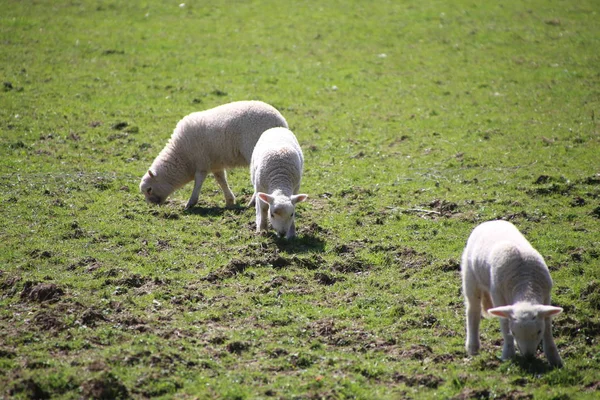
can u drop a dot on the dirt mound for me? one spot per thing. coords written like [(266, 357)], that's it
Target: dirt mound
[(426, 380), (106, 386), (41, 292)]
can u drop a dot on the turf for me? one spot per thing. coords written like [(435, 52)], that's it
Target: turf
[(418, 120)]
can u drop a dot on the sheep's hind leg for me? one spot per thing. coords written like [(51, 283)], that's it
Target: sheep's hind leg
[(473, 306), (199, 180), (221, 177)]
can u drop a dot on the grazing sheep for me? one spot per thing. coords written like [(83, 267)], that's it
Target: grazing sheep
[(276, 171), (209, 141), (505, 275)]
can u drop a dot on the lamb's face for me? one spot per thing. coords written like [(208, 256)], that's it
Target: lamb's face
[(155, 191), (527, 323), (281, 216), (527, 328), (282, 212)]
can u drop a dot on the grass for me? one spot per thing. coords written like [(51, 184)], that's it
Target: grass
[(418, 121)]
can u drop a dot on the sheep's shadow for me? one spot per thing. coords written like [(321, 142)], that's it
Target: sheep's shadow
[(532, 365), (214, 211), (305, 243)]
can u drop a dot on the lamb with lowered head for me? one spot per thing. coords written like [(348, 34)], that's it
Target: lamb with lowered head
[(276, 171), (503, 275)]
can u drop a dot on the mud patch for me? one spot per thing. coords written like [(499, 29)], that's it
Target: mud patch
[(9, 285), (42, 292), (570, 327), (425, 380), (106, 386), (29, 389), (90, 264), (443, 207), (230, 270), (237, 347), (133, 281), (91, 316), (449, 265), (417, 352), (326, 279), (469, 393), (48, 321), (350, 264)]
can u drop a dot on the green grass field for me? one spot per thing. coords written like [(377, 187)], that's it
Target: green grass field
[(418, 121)]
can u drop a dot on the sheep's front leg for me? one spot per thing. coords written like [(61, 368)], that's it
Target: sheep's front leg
[(221, 177), (261, 215), (508, 349), (473, 306), (550, 349), (199, 180)]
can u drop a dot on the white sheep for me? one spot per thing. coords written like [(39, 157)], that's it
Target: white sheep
[(503, 275), (276, 171), (209, 141)]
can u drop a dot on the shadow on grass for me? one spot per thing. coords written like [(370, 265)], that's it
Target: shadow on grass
[(214, 211), (532, 365), (305, 243)]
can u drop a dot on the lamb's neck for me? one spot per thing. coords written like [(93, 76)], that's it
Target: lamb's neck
[(528, 292), (282, 192)]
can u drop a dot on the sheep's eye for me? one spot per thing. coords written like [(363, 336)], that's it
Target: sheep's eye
[(149, 190), (272, 215), (540, 332)]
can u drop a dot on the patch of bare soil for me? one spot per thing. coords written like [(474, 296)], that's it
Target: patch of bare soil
[(443, 207), (29, 389), (350, 264), (326, 279), (8, 287), (468, 393), (594, 387), (90, 264), (570, 327), (133, 281), (42, 292), (47, 320), (426, 380), (104, 387), (234, 267), (417, 352), (91, 316), (237, 347)]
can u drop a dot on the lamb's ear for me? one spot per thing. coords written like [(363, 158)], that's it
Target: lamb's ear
[(501, 312), (297, 198), (151, 174), (549, 311), (265, 197)]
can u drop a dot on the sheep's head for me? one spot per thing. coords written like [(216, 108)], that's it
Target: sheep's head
[(282, 210), (527, 323), (155, 190)]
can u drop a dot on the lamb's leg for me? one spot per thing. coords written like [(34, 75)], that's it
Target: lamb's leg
[(473, 311), (550, 349), (198, 181), (508, 349), (261, 215), (252, 200), (221, 177)]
